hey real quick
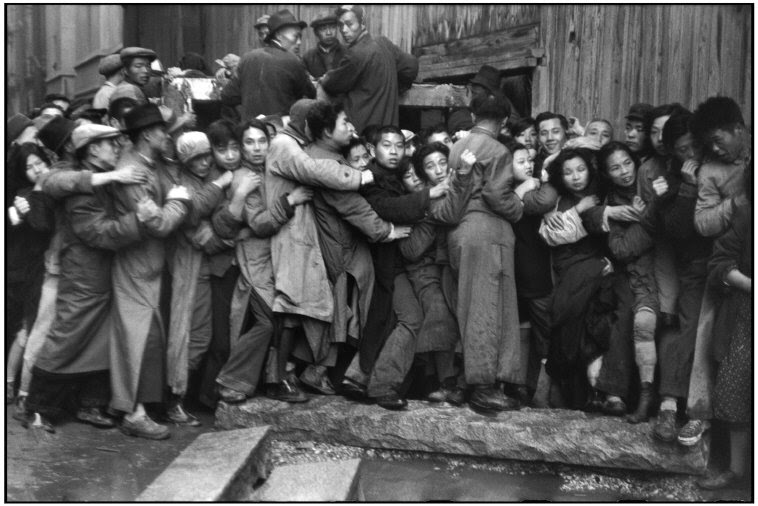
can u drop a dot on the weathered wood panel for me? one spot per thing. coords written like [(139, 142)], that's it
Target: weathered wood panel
[(603, 58)]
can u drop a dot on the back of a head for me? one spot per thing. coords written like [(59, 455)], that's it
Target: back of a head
[(322, 116), (517, 127), (678, 125), (221, 131), (716, 113), (493, 107)]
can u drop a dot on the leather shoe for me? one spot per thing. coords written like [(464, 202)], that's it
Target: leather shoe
[(315, 378), (231, 396), (391, 401), (594, 402), (95, 416), (665, 426), (287, 391), (452, 396), (352, 390), (489, 398), (144, 427)]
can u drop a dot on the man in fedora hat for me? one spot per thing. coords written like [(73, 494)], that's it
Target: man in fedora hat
[(137, 347), (110, 68), (372, 72), (74, 359), (328, 52), (269, 80)]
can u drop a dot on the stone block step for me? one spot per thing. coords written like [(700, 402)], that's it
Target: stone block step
[(314, 482), (217, 466), (550, 435)]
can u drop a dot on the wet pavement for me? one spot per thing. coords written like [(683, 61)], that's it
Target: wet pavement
[(82, 463)]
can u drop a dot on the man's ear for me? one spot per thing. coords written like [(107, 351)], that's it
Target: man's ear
[(371, 149)]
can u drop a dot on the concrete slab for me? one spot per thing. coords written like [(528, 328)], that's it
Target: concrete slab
[(217, 466), (314, 482), (563, 436)]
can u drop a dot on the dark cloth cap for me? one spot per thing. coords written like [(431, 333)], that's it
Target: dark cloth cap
[(262, 21), (56, 132), (56, 96), (15, 127), (355, 9), (109, 64), (141, 52), (639, 111), (280, 19), (460, 120), (143, 116), (489, 77), (323, 19)]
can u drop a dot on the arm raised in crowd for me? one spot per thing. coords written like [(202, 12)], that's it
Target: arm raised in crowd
[(95, 228), (64, 179), (293, 163), (161, 221)]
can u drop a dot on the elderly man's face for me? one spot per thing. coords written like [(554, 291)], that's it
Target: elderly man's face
[(290, 37), (350, 27)]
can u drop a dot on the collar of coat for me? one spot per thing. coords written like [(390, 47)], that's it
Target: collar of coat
[(365, 36), (383, 176)]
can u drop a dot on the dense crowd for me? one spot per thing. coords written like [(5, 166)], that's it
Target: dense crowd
[(304, 242)]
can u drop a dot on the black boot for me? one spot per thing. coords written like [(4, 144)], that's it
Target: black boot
[(643, 407)]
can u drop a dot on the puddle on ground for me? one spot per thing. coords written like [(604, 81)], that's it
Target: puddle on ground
[(430, 480)]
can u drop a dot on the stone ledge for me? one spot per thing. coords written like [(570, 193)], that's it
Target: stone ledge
[(562, 436), (217, 466), (313, 482)]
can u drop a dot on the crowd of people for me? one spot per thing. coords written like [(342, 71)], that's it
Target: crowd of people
[(305, 244)]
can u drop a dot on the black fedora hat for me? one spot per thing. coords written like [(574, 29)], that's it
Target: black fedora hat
[(488, 77), (280, 19), (56, 132), (143, 116)]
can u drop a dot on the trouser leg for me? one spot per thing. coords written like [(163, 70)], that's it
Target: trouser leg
[(152, 378)]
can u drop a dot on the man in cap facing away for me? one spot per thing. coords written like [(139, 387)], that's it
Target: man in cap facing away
[(74, 360), (110, 67), (271, 79)]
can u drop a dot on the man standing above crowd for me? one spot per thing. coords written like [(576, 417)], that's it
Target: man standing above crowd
[(271, 79), (328, 53), (372, 73), (136, 62)]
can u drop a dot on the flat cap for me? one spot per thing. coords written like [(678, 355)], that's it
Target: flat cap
[(141, 52), (325, 18), (90, 132), (228, 61), (262, 21), (109, 64)]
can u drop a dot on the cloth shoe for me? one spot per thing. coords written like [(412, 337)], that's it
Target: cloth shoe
[(614, 407), (144, 427), (96, 417), (665, 426), (231, 396), (693, 431), (643, 407), (719, 481), (392, 401), (178, 415), (490, 398), (315, 378), (40, 422), (287, 391)]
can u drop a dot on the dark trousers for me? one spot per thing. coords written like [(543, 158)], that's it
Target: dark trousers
[(222, 289), (243, 369), (52, 395), (396, 357), (676, 350), (152, 377), (618, 361)]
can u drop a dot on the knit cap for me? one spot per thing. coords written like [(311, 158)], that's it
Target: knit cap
[(192, 144)]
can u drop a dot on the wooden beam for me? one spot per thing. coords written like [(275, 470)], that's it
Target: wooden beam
[(515, 47), (435, 95)]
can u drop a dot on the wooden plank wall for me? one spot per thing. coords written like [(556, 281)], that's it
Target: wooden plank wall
[(603, 58)]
